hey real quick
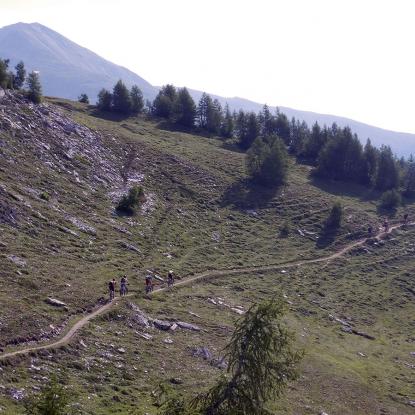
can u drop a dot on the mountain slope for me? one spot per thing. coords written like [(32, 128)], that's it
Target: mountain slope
[(60, 238), (67, 70)]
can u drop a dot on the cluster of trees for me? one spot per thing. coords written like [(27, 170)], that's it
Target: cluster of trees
[(16, 80), (121, 100), (267, 161), (335, 152), (175, 105)]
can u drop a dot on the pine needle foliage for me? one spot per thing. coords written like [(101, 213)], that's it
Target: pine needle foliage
[(261, 363), (53, 400)]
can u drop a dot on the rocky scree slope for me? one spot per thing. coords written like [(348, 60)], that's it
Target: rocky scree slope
[(58, 180)]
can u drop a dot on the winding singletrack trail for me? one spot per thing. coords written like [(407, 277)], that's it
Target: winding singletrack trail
[(204, 275)]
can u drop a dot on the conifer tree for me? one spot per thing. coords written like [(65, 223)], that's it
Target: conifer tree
[(163, 104), (137, 100), (282, 127), (104, 100), (4, 76), (267, 161), (261, 363), (83, 98), (387, 175), (369, 164), (315, 143), (409, 177), (20, 77), (203, 108), (251, 131), (121, 100), (227, 127), (185, 108), (267, 122), (34, 87)]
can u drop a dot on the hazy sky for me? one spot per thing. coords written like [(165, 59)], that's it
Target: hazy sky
[(350, 58)]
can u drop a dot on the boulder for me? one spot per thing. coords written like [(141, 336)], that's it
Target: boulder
[(55, 302), (162, 325), (202, 352), (188, 326)]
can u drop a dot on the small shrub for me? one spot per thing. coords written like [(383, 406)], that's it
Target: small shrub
[(390, 200), (285, 229), (335, 218), (45, 196), (129, 203), (53, 400)]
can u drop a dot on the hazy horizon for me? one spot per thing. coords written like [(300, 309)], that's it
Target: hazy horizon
[(347, 59)]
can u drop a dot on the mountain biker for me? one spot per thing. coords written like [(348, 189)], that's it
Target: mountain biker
[(111, 287), (149, 283), (386, 225), (123, 286), (170, 279), (370, 230)]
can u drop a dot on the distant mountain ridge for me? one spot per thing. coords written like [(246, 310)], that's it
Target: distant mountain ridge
[(67, 70)]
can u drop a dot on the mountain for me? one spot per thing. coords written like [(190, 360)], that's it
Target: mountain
[(67, 70), (63, 170)]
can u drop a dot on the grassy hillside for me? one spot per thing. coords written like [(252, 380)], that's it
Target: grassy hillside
[(63, 168)]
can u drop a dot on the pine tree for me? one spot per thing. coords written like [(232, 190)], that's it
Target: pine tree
[(262, 362), (241, 126), (227, 127), (121, 100), (35, 88), (4, 76), (185, 108), (137, 100), (267, 122), (203, 108), (282, 127), (409, 177), (341, 157), (83, 98), (104, 100), (53, 400), (299, 134), (163, 104), (387, 176), (20, 77), (267, 161), (251, 131), (315, 143), (369, 164), (335, 217)]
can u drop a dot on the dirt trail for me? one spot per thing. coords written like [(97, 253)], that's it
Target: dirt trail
[(206, 274)]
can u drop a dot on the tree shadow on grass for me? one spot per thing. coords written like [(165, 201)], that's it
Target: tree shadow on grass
[(246, 194), (109, 116), (339, 188)]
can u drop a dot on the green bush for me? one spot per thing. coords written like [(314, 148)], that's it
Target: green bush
[(335, 218), (45, 196), (390, 200), (129, 203)]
